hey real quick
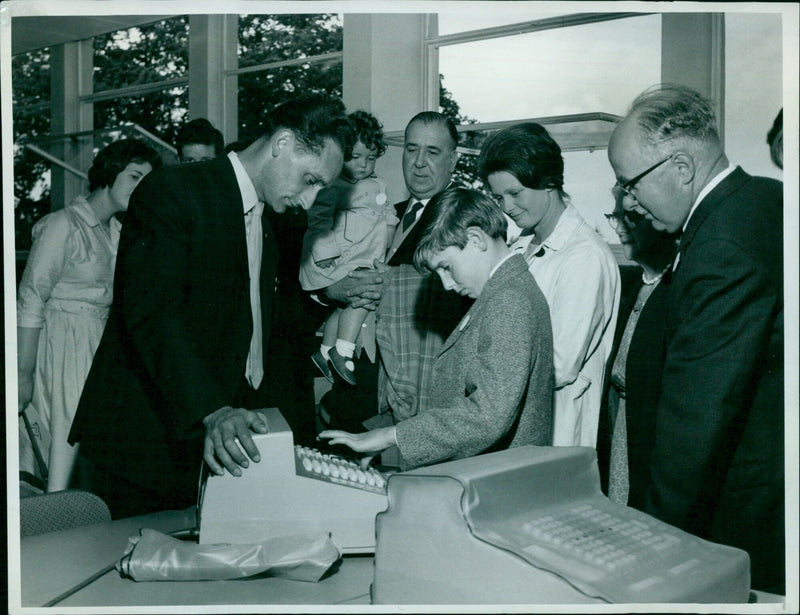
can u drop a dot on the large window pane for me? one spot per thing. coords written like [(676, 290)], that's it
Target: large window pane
[(578, 69), (160, 112), (145, 54), (468, 17), (753, 87), (260, 91), (276, 38), (30, 74)]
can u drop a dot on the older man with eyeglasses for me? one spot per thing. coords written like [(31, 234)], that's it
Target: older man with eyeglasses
[(717, 466)]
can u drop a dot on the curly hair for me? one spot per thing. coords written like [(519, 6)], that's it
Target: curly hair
[(113, 159), (368, 130)]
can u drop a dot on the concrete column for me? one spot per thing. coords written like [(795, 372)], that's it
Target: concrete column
[(213, 44), (693, 54), (385, 78), (70, 78)]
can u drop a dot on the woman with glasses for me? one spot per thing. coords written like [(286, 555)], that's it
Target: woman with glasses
[(575, 269), (633, 379)]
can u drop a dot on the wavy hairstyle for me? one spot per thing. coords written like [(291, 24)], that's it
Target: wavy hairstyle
[(112, 160), (526, 151)]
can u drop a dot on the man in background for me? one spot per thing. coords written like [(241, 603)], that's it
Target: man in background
[(198, 140), (717, 467)]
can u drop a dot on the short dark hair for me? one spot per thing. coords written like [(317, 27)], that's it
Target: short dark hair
[(199, 131), (456, 210), (313, 118), (526, 151), (434, 117), (775, 140), (368, 130), (112, 160), (777, 126)]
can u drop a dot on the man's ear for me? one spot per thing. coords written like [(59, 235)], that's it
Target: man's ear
[(282, 139), (477, 238), (684, 162), (453, 161)]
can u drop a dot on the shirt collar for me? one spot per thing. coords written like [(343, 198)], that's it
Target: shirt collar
[(246, 187), (84, 211), (707, 189), (566, 225), (497, 266)]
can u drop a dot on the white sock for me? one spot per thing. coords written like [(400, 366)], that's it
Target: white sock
[(325, 351), (346, 349)]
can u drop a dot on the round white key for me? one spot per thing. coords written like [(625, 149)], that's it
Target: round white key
[(307, 464)]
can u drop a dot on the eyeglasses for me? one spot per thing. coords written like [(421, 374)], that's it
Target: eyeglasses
[(632, 218), (628, 186)]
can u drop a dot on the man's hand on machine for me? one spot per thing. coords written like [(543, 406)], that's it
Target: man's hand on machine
[(371, 442), (224, 427)]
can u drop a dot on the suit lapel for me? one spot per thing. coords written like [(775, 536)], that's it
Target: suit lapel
[(232, 213), (712, 201)]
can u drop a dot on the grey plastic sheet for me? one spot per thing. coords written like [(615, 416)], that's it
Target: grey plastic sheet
[(153, 556)]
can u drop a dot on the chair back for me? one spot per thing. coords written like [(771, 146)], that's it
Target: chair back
[(60, 510)]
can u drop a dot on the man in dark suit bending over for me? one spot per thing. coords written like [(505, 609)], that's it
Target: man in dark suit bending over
[(717, 468), (182, 356)]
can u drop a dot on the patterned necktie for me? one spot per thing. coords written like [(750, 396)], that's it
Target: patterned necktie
[(254, 370), (411, 215)]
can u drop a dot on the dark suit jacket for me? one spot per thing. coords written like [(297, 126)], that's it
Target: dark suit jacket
[(178, 335), (717, 466)]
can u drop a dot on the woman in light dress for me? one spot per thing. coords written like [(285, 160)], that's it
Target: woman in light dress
[(63, 301)]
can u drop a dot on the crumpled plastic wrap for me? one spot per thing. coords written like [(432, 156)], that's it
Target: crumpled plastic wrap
[(153, 556)]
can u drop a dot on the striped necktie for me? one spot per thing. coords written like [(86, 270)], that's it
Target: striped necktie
[(411, 215)]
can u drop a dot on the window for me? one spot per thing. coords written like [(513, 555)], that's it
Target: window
[(579, 69), (282, 56), (141, 55), (574, 73), (31, 111)]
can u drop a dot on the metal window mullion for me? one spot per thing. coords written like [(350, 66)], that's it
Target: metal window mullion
[(134, 90), (536, 25), (325, 57)]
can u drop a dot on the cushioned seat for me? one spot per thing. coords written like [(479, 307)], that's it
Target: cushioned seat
[(60, 510)]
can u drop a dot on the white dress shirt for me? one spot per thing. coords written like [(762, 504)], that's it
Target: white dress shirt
[(579, 277), (253, 208)]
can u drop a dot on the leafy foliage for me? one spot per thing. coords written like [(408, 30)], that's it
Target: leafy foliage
[(466, 172), (156, 53), (143, 55), (31, 104), (276, 38)]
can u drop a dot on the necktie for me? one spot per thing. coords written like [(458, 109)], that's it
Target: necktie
[(411, 215), (254, 371)]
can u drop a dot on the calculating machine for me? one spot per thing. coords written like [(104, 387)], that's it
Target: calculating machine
[(529, 525), (293, 490)]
